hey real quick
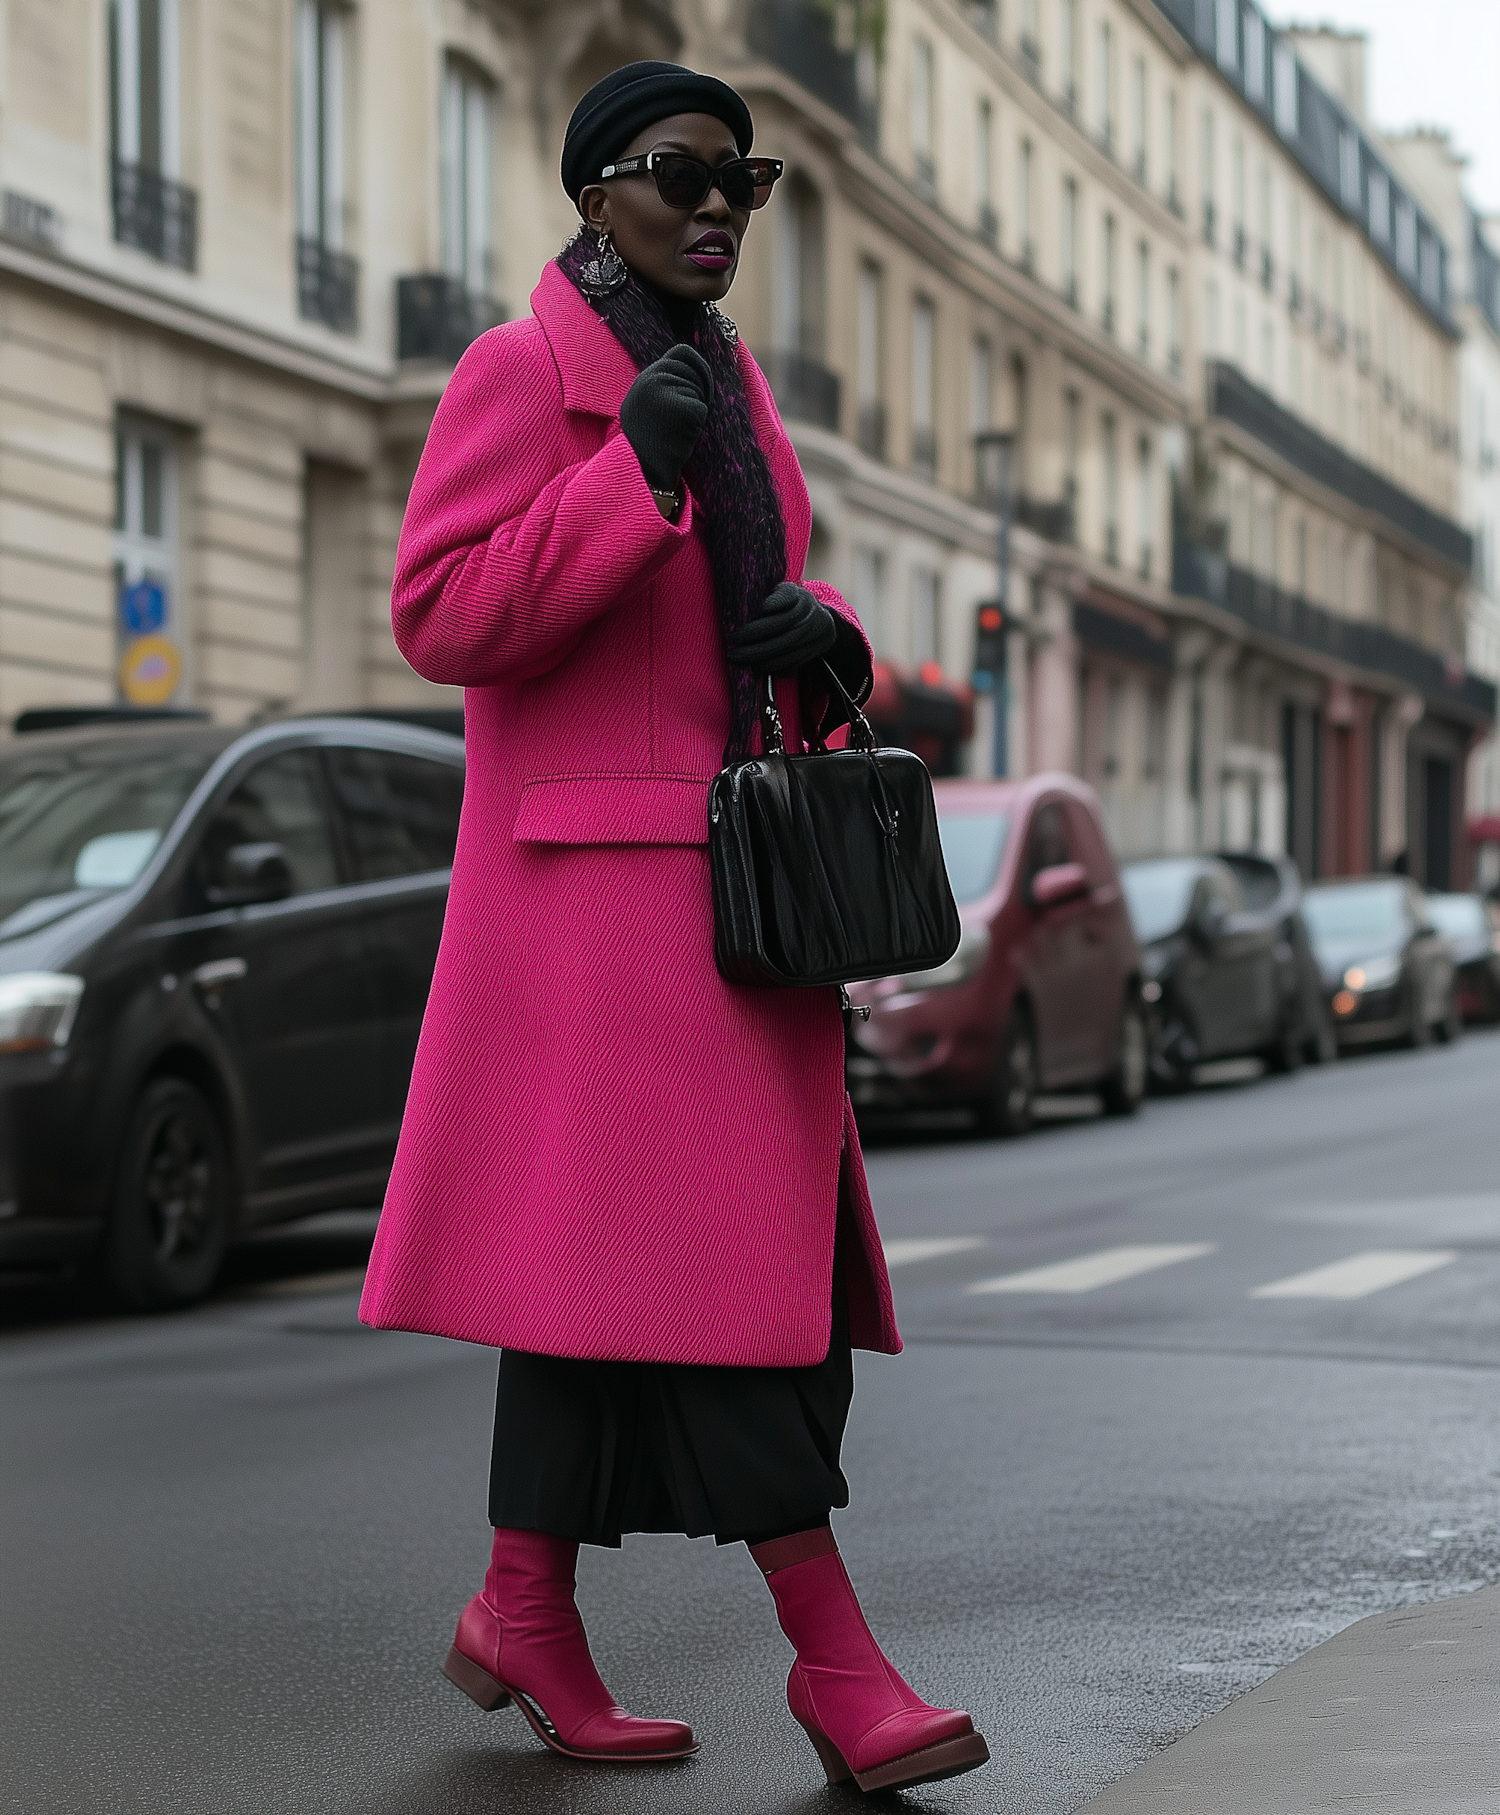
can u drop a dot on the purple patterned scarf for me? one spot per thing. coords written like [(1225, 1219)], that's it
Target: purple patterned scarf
[(729, 473)]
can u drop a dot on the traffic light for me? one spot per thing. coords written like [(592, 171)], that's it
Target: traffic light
[(989, 644)]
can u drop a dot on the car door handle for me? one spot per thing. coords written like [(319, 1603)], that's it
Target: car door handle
[(219, 971)]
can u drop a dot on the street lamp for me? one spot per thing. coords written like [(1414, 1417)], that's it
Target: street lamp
[(994, 451)]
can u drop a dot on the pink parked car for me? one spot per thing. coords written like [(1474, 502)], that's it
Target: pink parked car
[(1044, 991)]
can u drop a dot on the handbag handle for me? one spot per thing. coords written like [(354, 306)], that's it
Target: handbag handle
[(861, 734)]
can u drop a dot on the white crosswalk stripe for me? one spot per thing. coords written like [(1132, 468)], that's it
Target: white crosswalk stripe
[(1091, 1271), (907, 1250), (1360, 1274)]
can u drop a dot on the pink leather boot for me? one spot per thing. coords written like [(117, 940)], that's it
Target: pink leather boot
[(521, 1640), (864, 1719)]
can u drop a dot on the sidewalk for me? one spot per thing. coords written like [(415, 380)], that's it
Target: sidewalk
[(1400, 1712)]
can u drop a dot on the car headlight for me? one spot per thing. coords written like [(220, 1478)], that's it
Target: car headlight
[(37, 1010), (1374, 973), (973, 949)]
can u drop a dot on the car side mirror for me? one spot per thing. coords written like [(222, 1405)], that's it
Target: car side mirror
[(1058, 882), (251, 873)]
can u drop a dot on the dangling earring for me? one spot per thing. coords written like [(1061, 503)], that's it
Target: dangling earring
[(722, 322), (605, 272)]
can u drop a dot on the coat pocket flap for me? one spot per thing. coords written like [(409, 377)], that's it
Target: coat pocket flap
[(613, 809)]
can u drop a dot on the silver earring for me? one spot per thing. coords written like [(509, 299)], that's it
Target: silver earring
[(721, 321), (605, 272)]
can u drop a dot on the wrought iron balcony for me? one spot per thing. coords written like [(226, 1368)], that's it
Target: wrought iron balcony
[(1199, 573), (1052, 520), (800, 37), (155, 214), (804, 389), (437, 318), (327, 286), (1237, 400)]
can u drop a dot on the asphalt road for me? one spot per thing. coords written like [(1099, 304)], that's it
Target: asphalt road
[(234, 1542)]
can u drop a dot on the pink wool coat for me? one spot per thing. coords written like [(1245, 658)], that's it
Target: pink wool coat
[(608, 1151)]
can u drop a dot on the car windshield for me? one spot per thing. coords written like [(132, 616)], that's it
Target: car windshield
[(75, 823), (1158, 895), (973, 844), (1371, 910), (1459, 916)]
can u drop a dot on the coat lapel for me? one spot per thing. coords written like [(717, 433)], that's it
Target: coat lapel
[(596, 370)]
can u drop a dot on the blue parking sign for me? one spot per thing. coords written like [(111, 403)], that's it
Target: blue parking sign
[(143, 607)]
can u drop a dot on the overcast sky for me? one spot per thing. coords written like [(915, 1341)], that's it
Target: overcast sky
[(1432, 63)]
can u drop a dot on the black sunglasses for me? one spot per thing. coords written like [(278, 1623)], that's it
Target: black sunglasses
[(683, 181)]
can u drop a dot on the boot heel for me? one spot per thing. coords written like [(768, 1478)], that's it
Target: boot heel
[(832, 1759), (477, 1684)]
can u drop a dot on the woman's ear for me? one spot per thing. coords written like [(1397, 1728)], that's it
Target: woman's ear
[(593, 206)]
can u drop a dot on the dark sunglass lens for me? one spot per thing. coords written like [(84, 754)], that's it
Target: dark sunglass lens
[(681, 182), (764, 173), (738, 181)]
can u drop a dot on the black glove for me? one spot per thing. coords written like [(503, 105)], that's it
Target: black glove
[(790, 630), (664, 412)]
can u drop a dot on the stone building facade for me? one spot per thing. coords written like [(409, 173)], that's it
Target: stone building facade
[(241, 247)]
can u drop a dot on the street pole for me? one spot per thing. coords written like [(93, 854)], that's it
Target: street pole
[(995, 449)]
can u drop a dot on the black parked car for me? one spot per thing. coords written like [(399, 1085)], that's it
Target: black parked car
[(1388, 971), (1467, 923), (1273, 886), (215, 952), (1219, 976)]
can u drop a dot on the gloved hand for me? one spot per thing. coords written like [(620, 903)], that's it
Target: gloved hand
[(664, 412), (790, 630)]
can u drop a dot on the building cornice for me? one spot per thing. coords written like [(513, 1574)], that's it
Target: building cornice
[(137, 302)]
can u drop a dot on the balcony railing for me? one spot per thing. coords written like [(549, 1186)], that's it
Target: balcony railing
[(327, 286), (872, 430), (1052, 520), (804, 389), (1201, 574), (437, 318), (799, 37), (1237, 400), (155, 214)]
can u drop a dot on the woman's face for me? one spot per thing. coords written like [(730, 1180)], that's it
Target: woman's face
[(689, 252)]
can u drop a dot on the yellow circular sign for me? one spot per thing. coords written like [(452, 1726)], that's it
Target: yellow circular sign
[(150, 671)]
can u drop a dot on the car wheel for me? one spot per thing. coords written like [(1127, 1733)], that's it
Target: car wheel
[(1284, 1054), (1008, 1107), (170, 1221), (1418, 1031), (1123, 1089), (1451, 1027)]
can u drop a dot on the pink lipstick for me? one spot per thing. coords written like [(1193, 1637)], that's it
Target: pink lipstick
[(713, 251)]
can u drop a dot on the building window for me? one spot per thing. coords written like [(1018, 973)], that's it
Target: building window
[(804, 386), (327, 279), (1070, 241), (1241, 238), (1255, 57), (1109, 455), (926, 620), (1138, 117), (1380, 207), (1109, 311), (1106, 42), (468, 178), (1227, 36), (1143, 299), (1145, 507), (981, 403), (145, 546), (1212, 342), (1024, 205), (1068, 27), (1208, 175), (923, 110), (153, 211), (984, 172), (1288, 109), (923, 386), (1072, 448), (871, 372), (869, 596), (1174, 323), (1174, 166)]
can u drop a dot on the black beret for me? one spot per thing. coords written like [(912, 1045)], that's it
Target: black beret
[(630, 99)]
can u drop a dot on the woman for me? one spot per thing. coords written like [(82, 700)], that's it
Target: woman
[(639, 1182)]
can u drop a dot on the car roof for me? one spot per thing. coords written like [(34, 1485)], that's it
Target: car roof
[(107, 739), (967, 794)]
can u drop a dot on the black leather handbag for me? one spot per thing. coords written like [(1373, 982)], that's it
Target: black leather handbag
[(827, 867)]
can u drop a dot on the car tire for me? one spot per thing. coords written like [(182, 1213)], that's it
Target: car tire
[(1418, 1031), (1284, 1054), (169, 1224), (1125, 1086), (1451, 1027), (1008, 1108)]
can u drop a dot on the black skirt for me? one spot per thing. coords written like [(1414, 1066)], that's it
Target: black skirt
[(589, 1450)]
